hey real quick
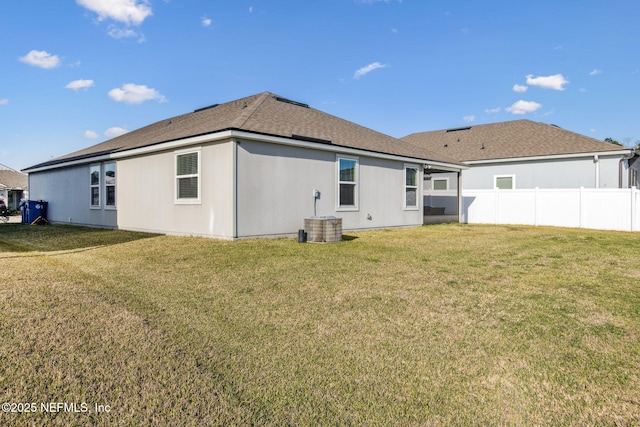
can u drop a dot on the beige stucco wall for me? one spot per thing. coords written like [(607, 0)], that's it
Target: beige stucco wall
[(146, 194), (276, 184), (68, 193)]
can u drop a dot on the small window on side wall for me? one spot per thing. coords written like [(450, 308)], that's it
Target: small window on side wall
[(411, 174), (94, 180), (347, 183), (504, 182), (188, 177), (440, 184), (110, 185)]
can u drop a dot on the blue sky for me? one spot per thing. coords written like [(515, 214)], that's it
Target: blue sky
[(74, 73)]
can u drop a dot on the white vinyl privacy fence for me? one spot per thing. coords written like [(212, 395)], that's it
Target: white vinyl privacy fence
[(596, 208)]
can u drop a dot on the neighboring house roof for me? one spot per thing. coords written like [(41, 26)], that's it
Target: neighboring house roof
[(13, 180), (265, 114), (505, 140)]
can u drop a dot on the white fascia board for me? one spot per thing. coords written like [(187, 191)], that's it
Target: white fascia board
[(448, 167), (341, 149), (551, 157), (142, 150), (172, 145), (231, 134), (237, 134), (70, 163)]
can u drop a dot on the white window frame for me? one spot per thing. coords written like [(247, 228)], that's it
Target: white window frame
[(513, 181), (411, 187), (92, 168), (189, 201), (356, 183), (114, 185), (433, 183)]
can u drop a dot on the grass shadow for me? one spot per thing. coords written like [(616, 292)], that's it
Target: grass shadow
[(348, 238), (20, 238)]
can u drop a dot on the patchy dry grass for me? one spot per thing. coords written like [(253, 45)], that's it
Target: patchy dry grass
[(441, 325)]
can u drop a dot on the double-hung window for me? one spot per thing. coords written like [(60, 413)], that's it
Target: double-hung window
[(411, 175), (94, 176), (347, 183), (110, 185), (188, 177)]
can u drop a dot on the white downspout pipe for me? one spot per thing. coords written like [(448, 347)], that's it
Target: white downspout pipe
[(624, 159), (596, 160)]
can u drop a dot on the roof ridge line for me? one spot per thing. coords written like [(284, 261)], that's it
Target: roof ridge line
[(244, 118)]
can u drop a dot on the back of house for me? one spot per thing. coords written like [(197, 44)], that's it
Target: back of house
[(527, 154), (253, 167)]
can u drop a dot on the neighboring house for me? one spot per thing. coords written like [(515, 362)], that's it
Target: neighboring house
[(524, 154), (252, 167), (13, 186)]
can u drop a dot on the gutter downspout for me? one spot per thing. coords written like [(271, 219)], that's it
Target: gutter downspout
[(460, 196), (620, 163), (596, 160), (234, 208)]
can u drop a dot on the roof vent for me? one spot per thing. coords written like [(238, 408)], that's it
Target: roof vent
[(288, 101), (205, 108), (311, 139), (458, 129)]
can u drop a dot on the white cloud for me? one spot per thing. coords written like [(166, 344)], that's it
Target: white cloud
[(524, 107), (493, 110), (135, 94), (206, 22), (250, 9), (41, 58), (130, 12), (79, 84), (90, 134), (124, 33), (4, 101), (595, 72), (469, 119), (556, 82), (520, 88), (367, 69), (115, 131), (583, 90)]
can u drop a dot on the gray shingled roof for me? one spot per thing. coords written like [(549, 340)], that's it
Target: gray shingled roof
[(266, 114), (13, 180), (518, 138)]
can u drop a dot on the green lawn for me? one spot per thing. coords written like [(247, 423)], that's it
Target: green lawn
[(439, 325)]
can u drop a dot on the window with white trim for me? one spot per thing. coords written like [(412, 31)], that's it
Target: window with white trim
[(411, 175), (347, 183), (110, 185), (504, 182), (188, 177), (440, 184), (94, 182)]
